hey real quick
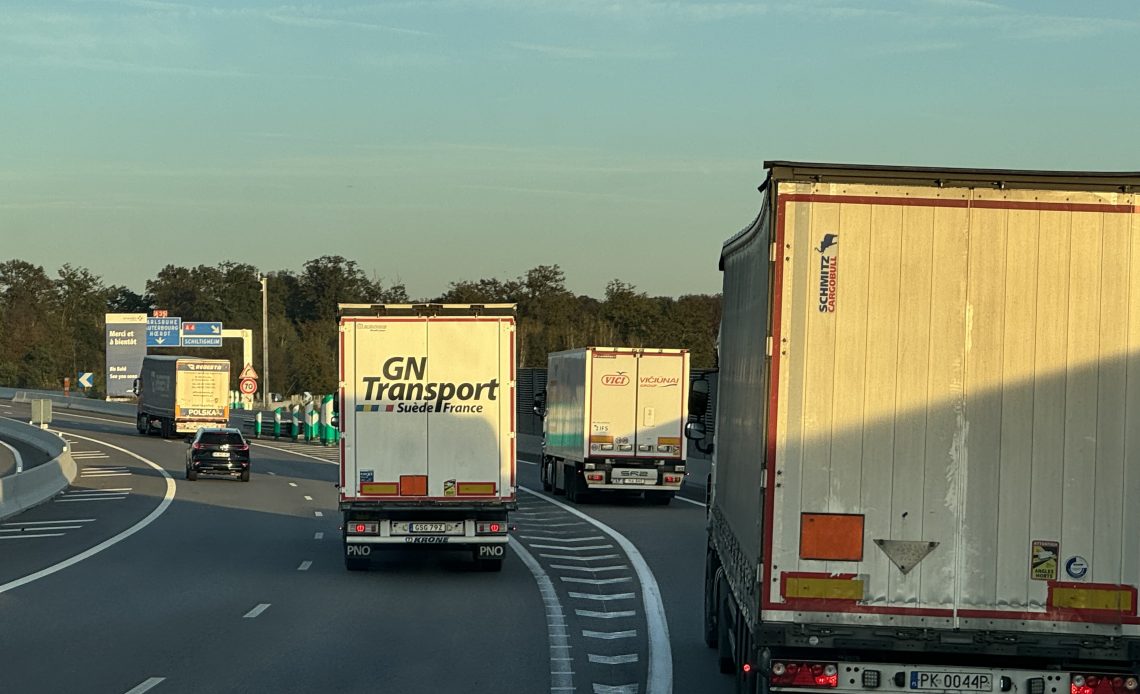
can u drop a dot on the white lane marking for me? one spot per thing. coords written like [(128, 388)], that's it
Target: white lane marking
[(318, 536), (660, 678), (318, 514), (591, 569), (610, 635), (571, 548), (613, 659), (603, 598), (147, 685), (545, 526), (271, 473), (560, 679), (96, 492), (605, 615), (111, 474), (568, 557), (109, 489), (562, 539), (66, 520), (304, 566), (24, 536), (292, 484), (252, 614), (308, 498), (111, 541), (303, 455), (597, 581), (91, 498), (690, 501), (619, 689), (40, 529)]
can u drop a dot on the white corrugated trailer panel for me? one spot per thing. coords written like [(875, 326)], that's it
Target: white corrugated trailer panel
[(959, 366), (464, 439)]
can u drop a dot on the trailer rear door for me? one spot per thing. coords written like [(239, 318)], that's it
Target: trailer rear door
[(613, 403), (662, 394)]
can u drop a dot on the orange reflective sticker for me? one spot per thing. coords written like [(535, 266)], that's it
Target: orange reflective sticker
[(413, 485), (831, 536)]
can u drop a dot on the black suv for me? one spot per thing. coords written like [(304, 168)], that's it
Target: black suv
[(221, 451)]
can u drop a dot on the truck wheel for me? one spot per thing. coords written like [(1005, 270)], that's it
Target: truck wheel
[(659, 498), (724, 650), (489, 565), (711, 631), (165, 428), (142, 425), (545, 476), (355, 564)]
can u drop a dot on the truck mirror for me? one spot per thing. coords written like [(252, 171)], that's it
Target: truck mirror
[(698, 398), (135, 387), (540, 403), (695, 431)]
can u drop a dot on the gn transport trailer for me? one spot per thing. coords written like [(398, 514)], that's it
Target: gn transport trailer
[(180, 395), (427, 421), (614, 420), (927, 455)]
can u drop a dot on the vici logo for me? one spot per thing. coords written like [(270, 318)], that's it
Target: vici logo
[(618, 379)]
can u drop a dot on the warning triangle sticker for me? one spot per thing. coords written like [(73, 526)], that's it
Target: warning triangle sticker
[(906, 554)]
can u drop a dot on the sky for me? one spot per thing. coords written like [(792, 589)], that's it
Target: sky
[(441, 140)]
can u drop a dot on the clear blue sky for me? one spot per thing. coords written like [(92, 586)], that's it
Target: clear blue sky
[(433, 140)]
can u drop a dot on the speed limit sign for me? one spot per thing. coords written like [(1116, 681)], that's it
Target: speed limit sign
[(247, 386)]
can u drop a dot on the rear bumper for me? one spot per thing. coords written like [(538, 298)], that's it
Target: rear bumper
[(634, 487), (451, 540), (219, 465)]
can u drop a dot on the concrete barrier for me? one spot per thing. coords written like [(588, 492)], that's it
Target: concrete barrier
[(79, 403), (21, 491)]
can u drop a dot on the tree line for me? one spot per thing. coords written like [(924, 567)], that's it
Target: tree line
[(54, 328)]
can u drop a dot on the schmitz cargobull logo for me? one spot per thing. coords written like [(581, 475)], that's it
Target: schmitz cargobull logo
[(618, 379), (402, 386), (828, 272)]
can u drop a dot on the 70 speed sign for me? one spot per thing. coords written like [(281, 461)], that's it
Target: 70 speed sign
[(247, 386)]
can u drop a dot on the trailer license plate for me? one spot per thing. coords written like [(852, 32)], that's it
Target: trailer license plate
[(429, 527), (951, 681), (634, 480)]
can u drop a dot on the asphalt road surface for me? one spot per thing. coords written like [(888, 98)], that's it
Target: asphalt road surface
[(137, 580)]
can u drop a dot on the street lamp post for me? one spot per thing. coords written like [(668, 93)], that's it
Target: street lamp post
[(265, 340)]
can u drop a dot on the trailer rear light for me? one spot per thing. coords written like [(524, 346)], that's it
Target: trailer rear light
[(747, 668), (625, 447), (1103, 684), (595, 477), (363, 528), (818, 675), (491, 528), (872, 679), (644, 448), (665, 449), (1035, 685), (607, 446), (673, 479)]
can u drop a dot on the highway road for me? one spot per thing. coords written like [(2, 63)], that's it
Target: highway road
[(137, 580)]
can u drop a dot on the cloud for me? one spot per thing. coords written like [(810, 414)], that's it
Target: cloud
[(582, 53)]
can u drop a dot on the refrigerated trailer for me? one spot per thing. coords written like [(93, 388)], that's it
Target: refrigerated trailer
[(613, 421), (927, 454), (180, 395), (427, 407)]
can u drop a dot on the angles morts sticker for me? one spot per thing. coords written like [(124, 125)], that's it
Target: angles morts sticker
[(1043, 560)]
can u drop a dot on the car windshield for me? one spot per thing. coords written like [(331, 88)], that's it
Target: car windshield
[(221, 437)]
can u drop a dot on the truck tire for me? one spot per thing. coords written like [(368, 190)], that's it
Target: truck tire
[(142, 425), (489, 565), (165, 428), (724, 651), (356, 563), (659, 498), (544, 475), (711, 632)]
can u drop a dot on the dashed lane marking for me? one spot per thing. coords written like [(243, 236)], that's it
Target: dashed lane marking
[(252, 614), (568, 557), (562, 539), (318, 514), (591, 569), (292, 484), (610, 635), (619, 689), (603, 598), (318, 536), (596, 581), (304, 566), (308, 498), (612, 659), (572, 548), (147, 685), (605, 615)]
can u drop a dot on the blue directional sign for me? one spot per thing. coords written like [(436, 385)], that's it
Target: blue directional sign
[(163, 332), (202, 334), (86, 379)]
